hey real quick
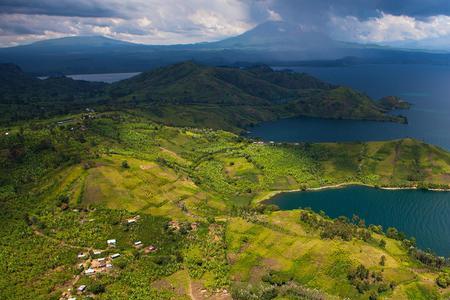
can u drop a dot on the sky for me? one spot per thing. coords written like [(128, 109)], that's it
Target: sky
[(402, 23)]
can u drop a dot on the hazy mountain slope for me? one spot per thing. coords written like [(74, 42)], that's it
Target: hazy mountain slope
[(273, 43)]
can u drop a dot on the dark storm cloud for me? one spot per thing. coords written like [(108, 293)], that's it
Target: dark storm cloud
[(180, 21), (310, 10), (72, 8)]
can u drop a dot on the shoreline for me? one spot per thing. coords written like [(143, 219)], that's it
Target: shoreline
[(272, 194)]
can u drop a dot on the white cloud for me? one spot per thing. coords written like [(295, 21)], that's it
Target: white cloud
[(387, 28), (274, 16), (142, 21)]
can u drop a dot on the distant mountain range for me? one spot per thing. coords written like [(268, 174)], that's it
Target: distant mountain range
[(276, 43)]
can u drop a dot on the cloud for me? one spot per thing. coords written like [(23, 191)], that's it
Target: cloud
[(143, 21), (188, 21), (387, 28), (274, 16)]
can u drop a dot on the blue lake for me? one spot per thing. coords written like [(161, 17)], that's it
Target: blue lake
[(422, 214), (107, 77), (427, 87)]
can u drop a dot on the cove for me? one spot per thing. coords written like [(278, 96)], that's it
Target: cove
[(425, 86), (422, 214)]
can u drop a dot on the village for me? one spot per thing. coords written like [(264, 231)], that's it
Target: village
[(95, 261)]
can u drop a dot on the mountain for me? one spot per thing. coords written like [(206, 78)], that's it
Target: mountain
[(278, 36), (82, 42), (274, 43), (240, 97)]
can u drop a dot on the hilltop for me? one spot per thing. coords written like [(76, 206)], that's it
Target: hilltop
[(241, 96)]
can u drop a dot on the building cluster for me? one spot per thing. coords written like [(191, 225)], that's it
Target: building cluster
[(96, 262)]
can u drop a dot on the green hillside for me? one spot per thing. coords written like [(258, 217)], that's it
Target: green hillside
[(227, 94), (189, 94), (24, 97), (66, 188)]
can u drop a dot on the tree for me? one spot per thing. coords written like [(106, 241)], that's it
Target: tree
[(382, 243), (392, 233), (97, 288), (382, 260), (125, 165)]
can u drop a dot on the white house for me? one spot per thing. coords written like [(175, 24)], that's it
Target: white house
[(89, 271), (111, 242), (81, 288)]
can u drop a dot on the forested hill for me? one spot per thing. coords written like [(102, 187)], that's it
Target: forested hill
[(269, 93), (189, 82), (190, 94), (23, 96)]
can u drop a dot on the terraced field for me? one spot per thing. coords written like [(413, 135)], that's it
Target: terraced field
[(194, 196)]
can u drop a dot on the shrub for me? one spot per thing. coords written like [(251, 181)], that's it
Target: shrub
[(443, 280), (382, 260), (97, 288), (125, 165)]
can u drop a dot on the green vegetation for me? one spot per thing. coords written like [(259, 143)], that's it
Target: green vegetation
[(393, 102), (189, 94), (192, 198)]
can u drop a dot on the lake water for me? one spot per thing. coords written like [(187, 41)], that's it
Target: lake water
[(107, 77), (427, 87), (422, 214)]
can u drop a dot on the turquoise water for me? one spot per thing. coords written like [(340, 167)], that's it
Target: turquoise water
[(424, 215), (426, 87)]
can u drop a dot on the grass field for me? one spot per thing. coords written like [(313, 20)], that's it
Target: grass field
[(68, 189)]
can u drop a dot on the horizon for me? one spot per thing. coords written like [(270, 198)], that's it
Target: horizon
[(392, 46), (407, 24)]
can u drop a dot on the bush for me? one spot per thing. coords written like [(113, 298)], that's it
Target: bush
[(382, 260), (277, 278), (125, 165), (443, 280), (97, 288)]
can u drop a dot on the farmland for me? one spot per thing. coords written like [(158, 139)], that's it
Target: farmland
[(68, 188)]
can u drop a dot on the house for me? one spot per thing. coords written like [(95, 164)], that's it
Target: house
[(131, 221), (150, 249), (115, 255), (72, 298), (82, 255), (100, 259), (111, 242), (109, 266), (138, 244), (81, 288), (97, 252), (89, 271)]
